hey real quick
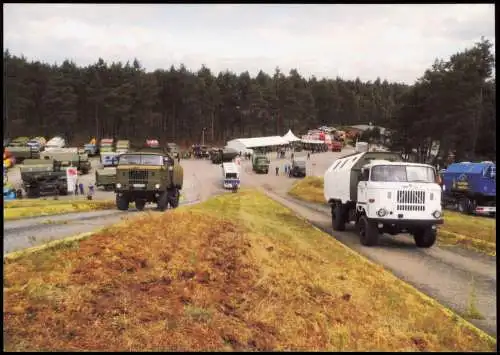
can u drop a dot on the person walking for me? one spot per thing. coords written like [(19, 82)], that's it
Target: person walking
[(277, 170), (308, 155)]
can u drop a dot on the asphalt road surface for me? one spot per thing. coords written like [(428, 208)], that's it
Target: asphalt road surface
[(450, 275)]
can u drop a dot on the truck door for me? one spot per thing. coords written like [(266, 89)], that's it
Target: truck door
[(362, 184)]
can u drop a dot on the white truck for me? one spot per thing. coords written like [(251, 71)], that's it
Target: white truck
[(381, 193), (230, 176)]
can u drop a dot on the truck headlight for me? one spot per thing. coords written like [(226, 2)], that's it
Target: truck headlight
[(170, 168), (436, 214), (381, 212), (157, 186), (118, 186)]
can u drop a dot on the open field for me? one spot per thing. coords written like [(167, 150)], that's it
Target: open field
[(473, 232), (18, 209), (237, 272)]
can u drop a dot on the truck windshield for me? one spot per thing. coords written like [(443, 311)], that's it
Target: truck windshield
[(231, 175), (141, 159), (300, 163), (402, 173)]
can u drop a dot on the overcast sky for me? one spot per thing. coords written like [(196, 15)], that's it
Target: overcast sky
[(396, 42)]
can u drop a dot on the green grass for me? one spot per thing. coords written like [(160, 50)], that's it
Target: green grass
[(472, 232)]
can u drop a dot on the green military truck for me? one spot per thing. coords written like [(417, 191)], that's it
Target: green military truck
[(105, 174), (69, 157), (260, 163), (173, 150), (43, 177), (20, 150), (107, 145), (148, 175), (122, 146)]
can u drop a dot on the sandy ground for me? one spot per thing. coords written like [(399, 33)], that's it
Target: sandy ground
[(446, 274)]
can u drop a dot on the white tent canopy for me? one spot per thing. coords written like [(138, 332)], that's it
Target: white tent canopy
[(240, 144), (290, 137)]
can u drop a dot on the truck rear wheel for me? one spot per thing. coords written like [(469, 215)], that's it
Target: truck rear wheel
[(139, 204), (368, 231), (173, 198), (338, 221), (465, 205), (425, 237), (122, 202)]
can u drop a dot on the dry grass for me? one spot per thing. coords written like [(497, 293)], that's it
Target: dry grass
[(18, 209), (309, 189), (472, 232), (238, 272)]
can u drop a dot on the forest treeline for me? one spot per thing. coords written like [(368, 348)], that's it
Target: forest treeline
[(453, 103)]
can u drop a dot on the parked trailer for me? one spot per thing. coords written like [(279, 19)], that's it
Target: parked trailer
[(471, 187), (383, 194)]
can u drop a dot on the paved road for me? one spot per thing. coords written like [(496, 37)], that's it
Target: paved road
[(201, 180)]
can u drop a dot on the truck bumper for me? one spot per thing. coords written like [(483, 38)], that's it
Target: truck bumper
[(408, 222), (486, 209)]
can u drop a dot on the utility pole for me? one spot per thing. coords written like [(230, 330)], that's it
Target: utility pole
[(203, 135)]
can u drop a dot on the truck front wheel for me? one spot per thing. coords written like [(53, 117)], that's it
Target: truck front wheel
[(368, 231), (122, 202), (338, 220), (425, 237), (163, 201)]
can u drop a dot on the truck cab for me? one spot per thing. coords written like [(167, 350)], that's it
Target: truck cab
[(383, 194)]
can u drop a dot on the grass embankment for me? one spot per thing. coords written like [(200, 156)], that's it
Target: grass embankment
[(473, 232), (238, 272), (18, 209)]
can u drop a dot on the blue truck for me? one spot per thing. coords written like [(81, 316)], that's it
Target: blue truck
[(471, 187)]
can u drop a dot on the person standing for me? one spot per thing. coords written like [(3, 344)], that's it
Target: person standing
[(277, 170)]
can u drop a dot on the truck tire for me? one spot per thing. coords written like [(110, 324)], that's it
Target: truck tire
[(465, 205), (173, 198), (139, 204), (163, 201), (425, 237), (338, 221), (368, 232), (122, 202)]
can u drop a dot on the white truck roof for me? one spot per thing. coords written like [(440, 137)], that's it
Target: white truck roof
[(56, 141)]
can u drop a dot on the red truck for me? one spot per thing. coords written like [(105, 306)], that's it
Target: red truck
[(336, 146)]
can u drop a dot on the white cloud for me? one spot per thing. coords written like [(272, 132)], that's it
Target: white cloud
[(397, 42)]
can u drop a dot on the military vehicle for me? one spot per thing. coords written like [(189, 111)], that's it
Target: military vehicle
[(37, 142), (43, 177), (107, 145), (298, 168), (219, 155), (91, 149), (69, 157), (173, 150), (148, 175), (260, 163), (55, 143), (105, 175), (122, 146), (19, 149)]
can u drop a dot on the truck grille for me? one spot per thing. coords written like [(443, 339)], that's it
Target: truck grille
[(138, 176), (411, 201)]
